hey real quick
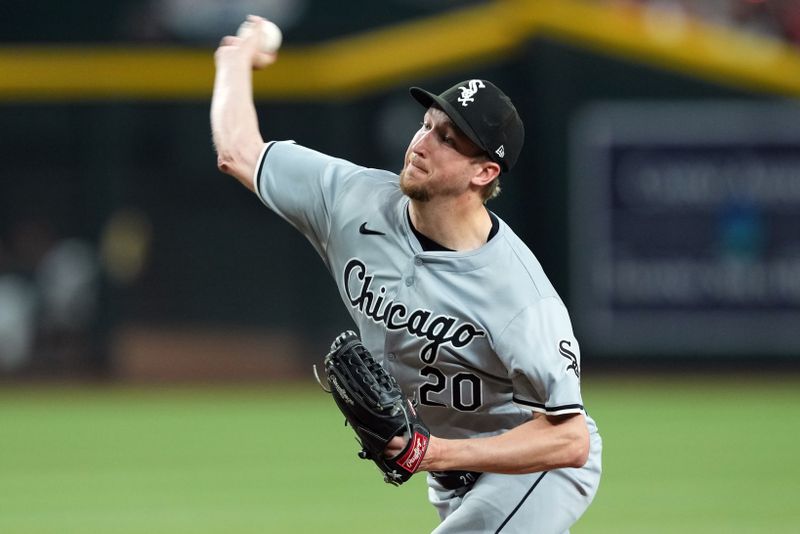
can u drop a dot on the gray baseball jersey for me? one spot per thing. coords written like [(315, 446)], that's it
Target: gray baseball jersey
[(481, 337)]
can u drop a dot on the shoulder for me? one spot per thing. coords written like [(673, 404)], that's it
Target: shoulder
[(282, 153), (527, 274), (286, 165)]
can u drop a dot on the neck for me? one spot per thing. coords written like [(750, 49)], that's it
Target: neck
[(456, 224)]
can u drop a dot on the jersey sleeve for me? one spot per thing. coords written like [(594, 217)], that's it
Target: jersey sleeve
[(301, 185), (543, 356)]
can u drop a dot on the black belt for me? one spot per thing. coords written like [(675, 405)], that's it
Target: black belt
[(452, 480)]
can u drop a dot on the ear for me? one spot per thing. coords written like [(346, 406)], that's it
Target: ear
[(488, 171)]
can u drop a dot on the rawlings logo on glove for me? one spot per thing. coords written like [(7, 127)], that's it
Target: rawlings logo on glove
[(411, 460), (375, 407)]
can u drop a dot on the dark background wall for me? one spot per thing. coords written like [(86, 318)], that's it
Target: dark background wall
[(203, 253)]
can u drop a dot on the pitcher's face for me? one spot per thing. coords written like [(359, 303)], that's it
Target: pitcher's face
[(440, 160)]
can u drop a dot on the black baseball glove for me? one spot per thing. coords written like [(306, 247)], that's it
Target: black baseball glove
[(375, 407)]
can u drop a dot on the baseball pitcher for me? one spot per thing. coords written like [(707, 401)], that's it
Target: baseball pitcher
[(464, 364)]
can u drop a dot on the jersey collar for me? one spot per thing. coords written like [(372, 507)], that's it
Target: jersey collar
[(451, 260)]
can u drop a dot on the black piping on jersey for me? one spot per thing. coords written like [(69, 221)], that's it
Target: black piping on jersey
[(429, 245), (495, 226), (514, 511), (548, 408), (261, 166)]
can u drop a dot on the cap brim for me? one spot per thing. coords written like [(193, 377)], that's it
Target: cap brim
[(427, 99)]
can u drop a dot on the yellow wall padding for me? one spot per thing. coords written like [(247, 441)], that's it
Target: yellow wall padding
[(361, 64)]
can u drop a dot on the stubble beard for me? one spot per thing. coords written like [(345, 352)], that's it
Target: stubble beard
[(427, 190), (419, 192)]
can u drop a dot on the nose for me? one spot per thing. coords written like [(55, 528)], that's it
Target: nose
[(421, 143)]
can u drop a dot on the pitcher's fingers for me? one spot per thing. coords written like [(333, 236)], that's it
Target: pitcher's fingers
[(229, 40)]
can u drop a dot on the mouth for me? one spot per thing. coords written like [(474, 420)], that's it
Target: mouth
[(413, 162)]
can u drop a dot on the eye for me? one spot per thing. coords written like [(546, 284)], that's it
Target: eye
[(424, 125), (448, 140)]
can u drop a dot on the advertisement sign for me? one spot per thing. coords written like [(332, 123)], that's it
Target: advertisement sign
[(685, 228)]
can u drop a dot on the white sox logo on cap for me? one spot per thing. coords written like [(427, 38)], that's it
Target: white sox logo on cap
[(468, 93), (484, 114)]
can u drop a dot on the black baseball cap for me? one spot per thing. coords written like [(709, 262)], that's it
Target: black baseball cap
[(485, 114)]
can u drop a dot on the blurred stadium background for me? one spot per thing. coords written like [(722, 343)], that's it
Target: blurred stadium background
[(158, 324)]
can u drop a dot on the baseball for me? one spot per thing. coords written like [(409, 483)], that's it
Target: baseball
[(270, 39)]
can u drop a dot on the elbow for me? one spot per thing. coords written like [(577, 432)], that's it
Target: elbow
[(236, 168), (225, 162), (238, 163), (580, 453), (231, 156), (577, 452), (575, 442)]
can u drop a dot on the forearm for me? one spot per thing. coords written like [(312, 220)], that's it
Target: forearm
[(538, 445), (234, 122)]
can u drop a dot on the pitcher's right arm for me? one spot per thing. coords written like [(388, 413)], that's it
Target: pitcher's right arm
[(234, 123)]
